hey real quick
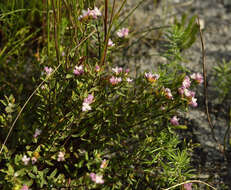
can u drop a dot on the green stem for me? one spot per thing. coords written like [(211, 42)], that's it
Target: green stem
[(55, 31), (48, 30)]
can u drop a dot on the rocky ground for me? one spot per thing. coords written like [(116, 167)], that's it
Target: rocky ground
[(215, 16)]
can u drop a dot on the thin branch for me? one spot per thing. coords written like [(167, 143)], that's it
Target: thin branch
[(102, 61), (105, 19), (227, 130), (112, 12), (55, 31), (99, 41), (205, 83)]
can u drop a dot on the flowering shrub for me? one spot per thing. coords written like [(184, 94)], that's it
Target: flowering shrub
[(96, 125)]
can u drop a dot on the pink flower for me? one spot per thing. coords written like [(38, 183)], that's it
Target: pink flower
[(123, 32), (37, 133), (189, 93), (25, 159), (188, 186), (86, 103), (89, 99), (61, 156), (97, 68), (103, 164), (129, 80), (85, 14), (115, 80), (197, 77), (117, 70), (78, 70), (151, 77), (168, 93), (181, 90), (48, 70), (97, 178), (92, 176), (43, 87), (193, 102), (24, 187), (110, 43), (86, 107), (186, 82), (192, 93), (33, 160), (127, 70), (94, 14), (174, 121)]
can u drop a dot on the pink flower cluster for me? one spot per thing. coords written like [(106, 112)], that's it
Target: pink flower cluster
[(26, 160), (110, 43), (186, 82), (118, 70), (96, 178), (184, 91), (123, 32), (168, 93), (197, 77), (86, 103), (174, 120), (78, 70), (92, 14), (37, 133), (48, 70), (115, 80), (97, 68), (151, 77)]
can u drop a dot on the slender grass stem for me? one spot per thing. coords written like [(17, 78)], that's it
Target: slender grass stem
[(205, 87), (227, 130), (105, 18), (48, 28), (55, 32), (102, 61)]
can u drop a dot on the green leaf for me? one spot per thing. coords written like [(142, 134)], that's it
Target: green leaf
[(32, 175), (10, 170), (49, 163), (184, 127), (83, 132), (120, 93), (68, 76), (9, 109), (20, 172), (53, 173)]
